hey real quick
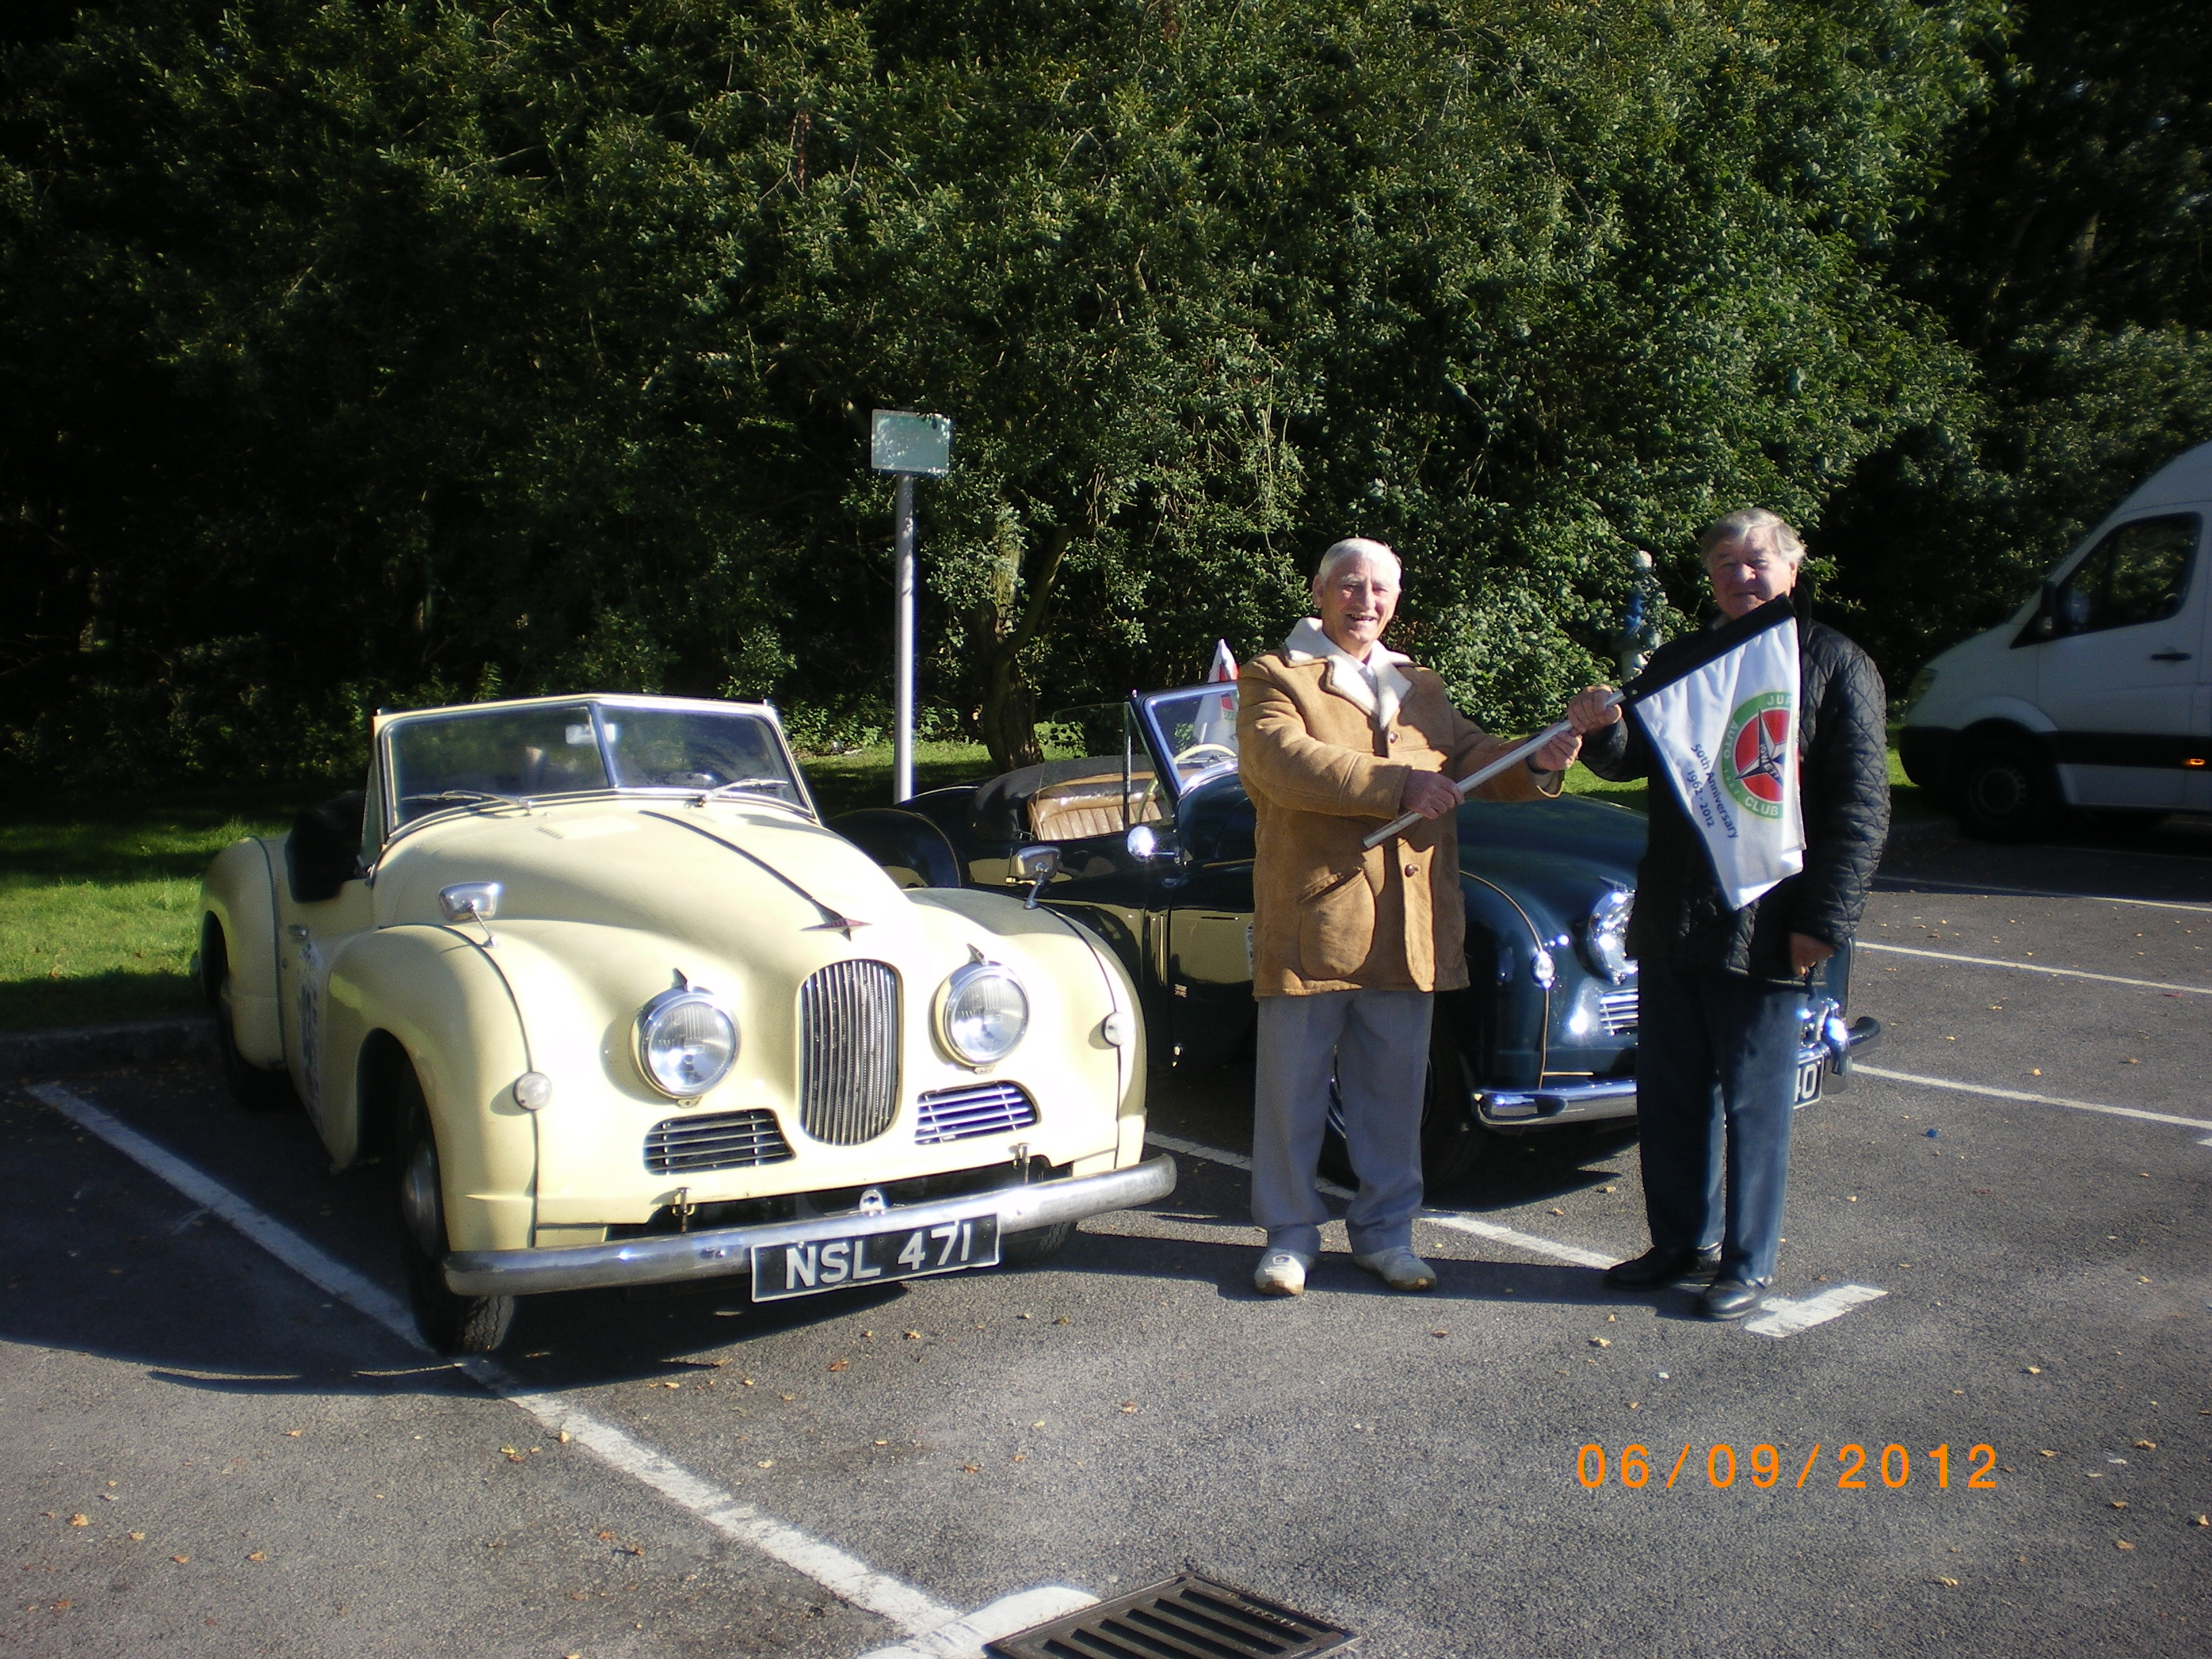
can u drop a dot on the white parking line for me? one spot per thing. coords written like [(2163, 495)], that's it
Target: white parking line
[(2034, 1100), (938, 1632), (1780, 1317), (1533, 1244), (1905, 883), (2037, 968)]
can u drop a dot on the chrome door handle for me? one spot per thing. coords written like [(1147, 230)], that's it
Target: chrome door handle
[(2169, 656)]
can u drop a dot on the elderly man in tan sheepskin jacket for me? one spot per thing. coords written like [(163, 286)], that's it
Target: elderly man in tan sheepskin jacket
[(1338, 735)]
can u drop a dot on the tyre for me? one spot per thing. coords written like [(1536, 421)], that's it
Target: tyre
[(1038, 1244), (449, 1322), (2006, 791), (1454, 1143), (251, 1087)]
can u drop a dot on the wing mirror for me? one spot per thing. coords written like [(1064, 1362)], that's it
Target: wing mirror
[(1038, 865)]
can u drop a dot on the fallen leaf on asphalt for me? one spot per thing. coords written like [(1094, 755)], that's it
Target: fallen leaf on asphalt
[(839, 1364), (633, 1549), (1439, 1333), (80, 1519), (1559, 1213), (1600, 1342), (1021, 1457), (1038, 1423), (1129, 1405), (787, 1396), (765, 1464), (180, 1559), (2035, 1370), (2122, 1544), (138, 1537), (2037, 1072), (882, 1443), (747, 1381), (1853, 1199), (1952, 1582), (2146, 1445), (1635, 1405), (2047, 1454), (971, 1468), (578, 1595), (63, 1606), (914, 1336), (259, 1555), (294, 1434), (562, 1436), (671, 1382), (1063, 1320), (2202, 1521), (1608, 1189), (2119, 1503)]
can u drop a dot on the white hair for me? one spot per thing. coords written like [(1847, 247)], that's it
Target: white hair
[(1723, 532), (1357, 547)]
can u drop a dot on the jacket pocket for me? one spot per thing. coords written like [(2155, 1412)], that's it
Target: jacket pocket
[(1336, 927)]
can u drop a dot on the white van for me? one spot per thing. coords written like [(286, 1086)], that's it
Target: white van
[(2098, 692)]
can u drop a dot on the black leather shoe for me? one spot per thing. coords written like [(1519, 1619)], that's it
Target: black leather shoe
[(1689, 1270), (1733, 1298)]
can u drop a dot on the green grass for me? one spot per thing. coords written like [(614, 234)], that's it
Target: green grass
[(98, 895)]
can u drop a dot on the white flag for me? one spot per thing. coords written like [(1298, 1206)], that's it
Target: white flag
[(1725, 731)]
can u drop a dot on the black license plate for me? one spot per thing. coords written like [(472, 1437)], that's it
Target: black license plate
[(1811, 1066), (874, 1258)]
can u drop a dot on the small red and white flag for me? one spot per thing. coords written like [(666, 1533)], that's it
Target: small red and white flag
[(1224, 663)]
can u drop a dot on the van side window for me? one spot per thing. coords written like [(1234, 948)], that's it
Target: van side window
[(2138, 573)]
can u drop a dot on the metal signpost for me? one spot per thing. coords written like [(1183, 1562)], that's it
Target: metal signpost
[(908, 445)]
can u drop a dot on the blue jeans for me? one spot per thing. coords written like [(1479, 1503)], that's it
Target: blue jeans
[(1715, 1077)]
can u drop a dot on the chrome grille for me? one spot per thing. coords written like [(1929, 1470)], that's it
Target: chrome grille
[(1618, 1009), (848, 1038), (725, 1140), (981, 1108)]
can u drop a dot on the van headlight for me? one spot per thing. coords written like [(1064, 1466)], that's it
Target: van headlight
[(1605, 936), (686, 1042), (983, 1012)]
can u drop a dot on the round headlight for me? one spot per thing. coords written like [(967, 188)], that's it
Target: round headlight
[(685, 1042), (983, 1013), (1605, 935)]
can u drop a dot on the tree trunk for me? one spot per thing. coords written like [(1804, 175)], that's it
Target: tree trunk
[(1008, 716)]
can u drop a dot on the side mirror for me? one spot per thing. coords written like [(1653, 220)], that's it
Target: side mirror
[(1038, 865)]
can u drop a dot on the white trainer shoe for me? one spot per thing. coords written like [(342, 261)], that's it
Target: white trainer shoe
[(1399, 1268), (1281, 1272)]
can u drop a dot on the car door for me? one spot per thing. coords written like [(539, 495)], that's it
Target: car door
[(2121, 678), (314, 923)]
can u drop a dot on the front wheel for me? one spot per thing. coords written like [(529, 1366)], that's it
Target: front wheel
[(1454, 1143), (1027, 1250), (451, 1323), (2006, 791)]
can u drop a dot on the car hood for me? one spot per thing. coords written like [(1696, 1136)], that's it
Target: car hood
[(1556, 856), (710, 874)]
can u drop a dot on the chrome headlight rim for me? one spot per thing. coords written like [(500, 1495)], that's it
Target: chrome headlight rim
[(1605, 935), (963, 982), (654, 1018)]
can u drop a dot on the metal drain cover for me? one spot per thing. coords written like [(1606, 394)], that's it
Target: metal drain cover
[(1186, 1617)]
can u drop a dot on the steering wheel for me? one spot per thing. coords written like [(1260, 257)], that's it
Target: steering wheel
[(1221, 751)]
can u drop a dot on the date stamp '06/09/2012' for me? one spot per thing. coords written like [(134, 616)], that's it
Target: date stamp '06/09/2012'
[(1764, 1466)]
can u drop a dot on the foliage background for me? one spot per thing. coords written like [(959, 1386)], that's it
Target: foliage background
[(382, 352)]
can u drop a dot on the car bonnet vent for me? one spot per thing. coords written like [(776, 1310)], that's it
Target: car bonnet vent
[(848, 1047), (985, 1108), (1188, 1616), (725, 1140)]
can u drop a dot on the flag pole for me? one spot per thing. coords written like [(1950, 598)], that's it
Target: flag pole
[(1399, 825)]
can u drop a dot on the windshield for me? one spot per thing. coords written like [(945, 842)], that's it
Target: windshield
[(443, 761), (1196, 730)]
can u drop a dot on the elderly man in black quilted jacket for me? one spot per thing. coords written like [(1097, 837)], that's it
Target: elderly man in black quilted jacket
[(1720, 989)]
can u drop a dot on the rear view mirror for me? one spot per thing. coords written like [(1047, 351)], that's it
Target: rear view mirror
[(1036, 864)]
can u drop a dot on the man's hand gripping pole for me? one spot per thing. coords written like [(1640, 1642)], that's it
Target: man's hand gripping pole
[(1513, 756)]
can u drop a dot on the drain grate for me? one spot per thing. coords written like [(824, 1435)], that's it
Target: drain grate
[(1186, 1617)]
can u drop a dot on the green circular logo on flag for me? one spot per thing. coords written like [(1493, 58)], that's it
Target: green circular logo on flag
[(1754, 752)]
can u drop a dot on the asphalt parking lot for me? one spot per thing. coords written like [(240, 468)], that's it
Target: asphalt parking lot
[(1998, 1239)]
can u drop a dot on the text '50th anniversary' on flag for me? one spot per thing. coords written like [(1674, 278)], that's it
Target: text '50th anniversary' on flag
[(1723, 724)]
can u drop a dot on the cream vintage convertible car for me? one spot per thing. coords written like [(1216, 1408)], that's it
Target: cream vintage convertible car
[(619, 1010)]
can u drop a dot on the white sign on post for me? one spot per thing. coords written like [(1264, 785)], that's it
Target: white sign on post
[(908, 446)]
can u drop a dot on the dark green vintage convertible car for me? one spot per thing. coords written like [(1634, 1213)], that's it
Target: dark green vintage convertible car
[(1151, 848)]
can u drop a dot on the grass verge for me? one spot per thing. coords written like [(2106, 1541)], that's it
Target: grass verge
[(99, 895)]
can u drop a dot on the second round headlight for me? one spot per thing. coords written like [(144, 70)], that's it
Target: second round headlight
[(1605, 934), (685, 1042), (983, 1013)]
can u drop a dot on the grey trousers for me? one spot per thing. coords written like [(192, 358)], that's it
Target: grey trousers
[(1378, 1042)]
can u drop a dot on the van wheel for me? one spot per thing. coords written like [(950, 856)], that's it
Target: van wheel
[(449, 1322), (2006, 791)]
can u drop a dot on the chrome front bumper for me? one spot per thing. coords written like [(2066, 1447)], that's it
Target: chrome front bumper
[(1597, 1099), (675, 1258)]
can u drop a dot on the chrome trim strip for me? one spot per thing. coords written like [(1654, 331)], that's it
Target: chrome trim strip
[(675, 1258)]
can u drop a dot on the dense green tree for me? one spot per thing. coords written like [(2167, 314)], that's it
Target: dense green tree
[(365, 352)]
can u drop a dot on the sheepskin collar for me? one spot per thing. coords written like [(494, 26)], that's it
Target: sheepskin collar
[(1377, 685)]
